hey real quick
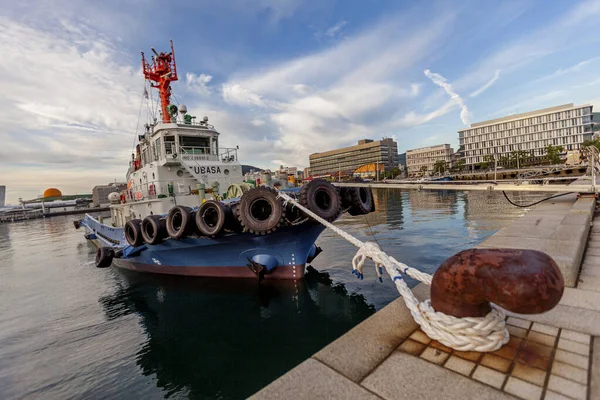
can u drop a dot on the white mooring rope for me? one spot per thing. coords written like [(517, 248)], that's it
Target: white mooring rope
[(464, 334)]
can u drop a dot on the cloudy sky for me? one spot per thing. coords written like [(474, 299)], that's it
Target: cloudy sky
[(279, 78)]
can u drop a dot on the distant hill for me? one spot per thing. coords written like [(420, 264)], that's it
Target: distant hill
[(247, 168)]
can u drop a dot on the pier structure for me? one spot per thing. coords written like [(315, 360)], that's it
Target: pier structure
[(554, 355)]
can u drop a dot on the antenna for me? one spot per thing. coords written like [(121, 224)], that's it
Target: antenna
[(162, 70)]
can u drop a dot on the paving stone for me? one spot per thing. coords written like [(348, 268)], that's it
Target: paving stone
[(573, 318), (589, 270), (593, 244), (434, 355), (313, 380), (521, 323), (591, 260), (525, 232), (546, 329), (537, 348), (468, 355), (519, 332), (402, 376), (569, 372), (591, 283), (411, 347), (550, 395), (522, 389), (567, 387), (595, 372), (593, 251), (505, 242), (529, 374), (570, 232), (506, 351), (489, 376), (575, 336), (437, 345), (573, 359), (541, 338), (514, 342), (360, 350), (498, 363), (460, 365), (576, 219), (574, 347), (420, 336), (575, 297)]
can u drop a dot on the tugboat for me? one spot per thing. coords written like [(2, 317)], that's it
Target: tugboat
[(187, 211)]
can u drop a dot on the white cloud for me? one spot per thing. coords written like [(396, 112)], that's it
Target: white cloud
[(573, 68), (336, 29), (257, 122), (237, 95), (443, 83), (487, 85), (198, 83)]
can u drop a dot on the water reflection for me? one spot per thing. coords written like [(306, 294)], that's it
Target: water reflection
[(228, 338)]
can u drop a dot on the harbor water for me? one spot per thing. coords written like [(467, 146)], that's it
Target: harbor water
[(69, 330)]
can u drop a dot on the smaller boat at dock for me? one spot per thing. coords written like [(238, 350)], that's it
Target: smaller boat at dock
[(187, 211)]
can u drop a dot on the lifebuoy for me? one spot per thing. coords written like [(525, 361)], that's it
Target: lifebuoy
[(210, 218), (322, 198), (133, 232), (180, 222), (104, 257), (154, 229), (260, 211)]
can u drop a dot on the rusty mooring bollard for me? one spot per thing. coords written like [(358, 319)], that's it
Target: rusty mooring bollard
[(521, 281)]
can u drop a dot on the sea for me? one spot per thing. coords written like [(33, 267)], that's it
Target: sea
[(71, 331)]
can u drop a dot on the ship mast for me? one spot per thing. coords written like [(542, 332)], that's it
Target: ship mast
[(162, 70)]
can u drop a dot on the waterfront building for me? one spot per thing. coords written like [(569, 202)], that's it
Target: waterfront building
[(565, 125), (422, 160), (346, 160), (100, 193)]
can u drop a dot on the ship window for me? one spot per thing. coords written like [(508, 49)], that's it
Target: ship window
[(194, 141), (169, 144)]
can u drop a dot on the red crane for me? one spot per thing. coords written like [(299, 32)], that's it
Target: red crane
[(162, 71)]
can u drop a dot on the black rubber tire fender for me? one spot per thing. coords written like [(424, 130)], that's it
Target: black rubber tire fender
[(210, 218), (133, 232), (260, 211), (293, 215), (361, 200), (232, 223), (104, 257), (180, 222), (322, 198), (154, 229)]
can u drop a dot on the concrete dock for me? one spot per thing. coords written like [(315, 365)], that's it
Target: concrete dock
[(555, 355)]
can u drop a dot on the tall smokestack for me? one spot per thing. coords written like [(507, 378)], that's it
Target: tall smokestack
[(2, 195)]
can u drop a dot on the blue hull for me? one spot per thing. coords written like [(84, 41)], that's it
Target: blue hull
[(283, 253)]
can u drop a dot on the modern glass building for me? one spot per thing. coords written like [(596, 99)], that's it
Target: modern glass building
[(566, 125), (348, 159)]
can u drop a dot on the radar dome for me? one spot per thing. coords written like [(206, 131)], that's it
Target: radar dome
[(52, 192)]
